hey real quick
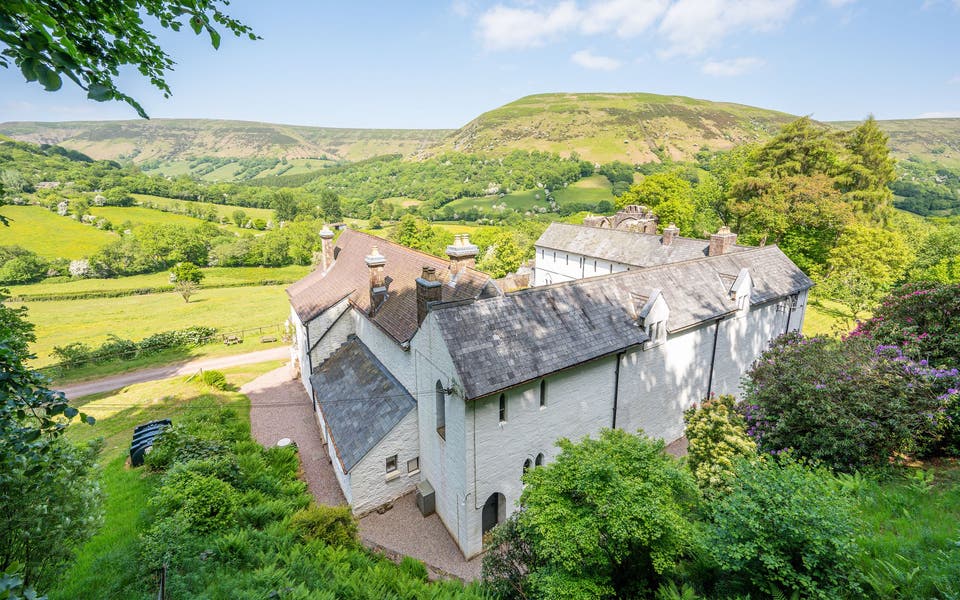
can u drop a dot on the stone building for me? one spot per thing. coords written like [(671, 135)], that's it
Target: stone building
[(424, 375)]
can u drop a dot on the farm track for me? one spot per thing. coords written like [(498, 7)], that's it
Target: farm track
[(115, 382)]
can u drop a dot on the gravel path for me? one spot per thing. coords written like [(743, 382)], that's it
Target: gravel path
[(116, 382), (280, 408)]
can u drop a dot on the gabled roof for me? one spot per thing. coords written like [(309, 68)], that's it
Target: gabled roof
[(501, 342), (350, 277), (360, 400), (626, 247)]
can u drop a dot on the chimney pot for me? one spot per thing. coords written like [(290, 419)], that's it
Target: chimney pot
[(462, 254), (428, 290), (721, 242), (378, 287), (326, 248)]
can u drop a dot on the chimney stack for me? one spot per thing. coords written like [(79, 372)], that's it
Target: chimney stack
[(378, 286), (462, 254), (669, 234), (326, 248), (721, 242), (428, 290)]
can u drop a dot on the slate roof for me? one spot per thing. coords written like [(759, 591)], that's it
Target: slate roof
[(350, 277), (626, 247), (360, 400), (501, 342)]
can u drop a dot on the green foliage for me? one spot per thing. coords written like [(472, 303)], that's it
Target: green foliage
[(717, 436), (186, 272), (49, 497), (847, 403), (617, 172), (19, 265), (787, 526), (89, 43), (214, 379), (333, 525), (414, 568), (202, 503), (608, 517), (938, 257), (115, 348)]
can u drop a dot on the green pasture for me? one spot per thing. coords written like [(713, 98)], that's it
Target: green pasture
[(589, 190), (223, 210), (91, 320), (50, 235)]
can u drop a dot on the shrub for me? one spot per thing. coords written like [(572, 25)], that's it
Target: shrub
[(176, 444), (215, 379), (203, 502), (784, 525), (73, 355), (845, 403), (334, 525), (717, 436), (414, 568)]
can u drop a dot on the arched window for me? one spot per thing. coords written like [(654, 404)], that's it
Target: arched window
[(503, 408), (543, 393), (539, 461), (526, 465), (441, 410)]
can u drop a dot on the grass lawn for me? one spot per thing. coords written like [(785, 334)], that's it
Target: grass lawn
[(590, 190), (50, 235), (106, 565), (826, 317), (138, 216), (213, 277), (223, 210), (90, 320)]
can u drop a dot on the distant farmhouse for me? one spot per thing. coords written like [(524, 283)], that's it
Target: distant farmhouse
[(425, 376)]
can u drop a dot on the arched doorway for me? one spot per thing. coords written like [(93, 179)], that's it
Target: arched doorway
[(494, 511)]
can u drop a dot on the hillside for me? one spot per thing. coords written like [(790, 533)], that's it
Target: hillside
[(934, 140), (177, 146), (636, 128)]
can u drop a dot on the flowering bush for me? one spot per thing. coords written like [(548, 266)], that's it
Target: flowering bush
[(717, 435), (846, 403), (921, 318)]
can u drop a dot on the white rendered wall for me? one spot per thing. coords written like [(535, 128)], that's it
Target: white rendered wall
[(555, 266), (579, 403), (300, 349), (372, 486), (443, 461), (397, 360)]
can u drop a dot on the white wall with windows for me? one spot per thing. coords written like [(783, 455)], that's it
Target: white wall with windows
[(555, 266)]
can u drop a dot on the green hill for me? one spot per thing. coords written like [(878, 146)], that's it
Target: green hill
[(222, 150), (934, 140), (635, 128)]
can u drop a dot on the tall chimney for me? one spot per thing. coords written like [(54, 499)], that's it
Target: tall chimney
[(669, 234), (428, 290), (721, 242), (462, 254), (326, 248), (378, 287)]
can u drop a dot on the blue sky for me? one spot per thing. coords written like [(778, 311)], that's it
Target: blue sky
[(422, 64)]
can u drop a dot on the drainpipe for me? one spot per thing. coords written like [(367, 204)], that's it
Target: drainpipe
[(616, 389), (713, 358)]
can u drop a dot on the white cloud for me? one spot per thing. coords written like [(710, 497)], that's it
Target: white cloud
[(693, 26), (503, 28), (589, 60), (840, 3), (953, 80), (626, 18), (942, 114), (731, 67)]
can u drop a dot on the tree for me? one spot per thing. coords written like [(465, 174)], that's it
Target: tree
[(48, 493), (717, 436), (868, 170), (90, 41), (285, 206), (330, 204), (864, 265), (938, 258), (186, 278), (239, 218), (608, 518)]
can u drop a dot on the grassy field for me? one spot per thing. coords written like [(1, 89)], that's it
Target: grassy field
[(106, 564), (825, 317), (213, 277), (223, 210), (590, 190), (134, 317), (50, 235)]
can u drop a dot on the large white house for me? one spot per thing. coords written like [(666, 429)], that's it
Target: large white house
[(425, 376)]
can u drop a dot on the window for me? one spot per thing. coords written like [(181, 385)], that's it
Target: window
[(554, 256), (539, 461), (657, 333), (594, 266), (413, 465), (567, 258), (391, 464), (543, 253), (503, 408), (441, 410), (526, 465), (543, 393), (611, 267)]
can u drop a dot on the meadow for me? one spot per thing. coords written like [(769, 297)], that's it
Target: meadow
[(92, 320), (588, 190), (50, 235), (223, 210)]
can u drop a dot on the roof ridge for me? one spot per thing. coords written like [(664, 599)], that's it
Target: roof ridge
[(409, 249), (642, 233)]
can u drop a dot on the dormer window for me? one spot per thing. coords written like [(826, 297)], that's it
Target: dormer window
[(657, 332)]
